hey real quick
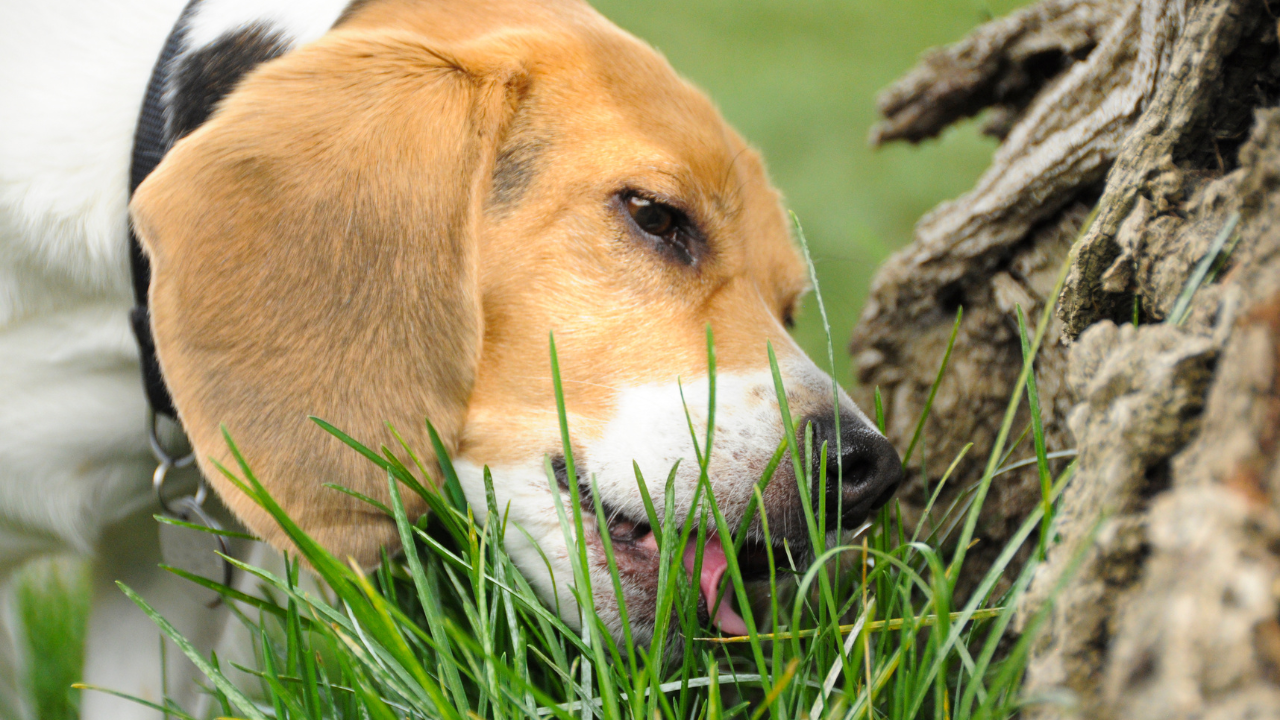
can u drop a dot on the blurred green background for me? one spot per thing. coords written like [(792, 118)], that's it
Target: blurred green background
[(798, 78)]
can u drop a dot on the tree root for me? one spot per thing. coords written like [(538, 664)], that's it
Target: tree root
[(1141, 111)]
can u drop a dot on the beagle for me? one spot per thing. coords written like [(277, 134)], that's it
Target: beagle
[(391, 206)]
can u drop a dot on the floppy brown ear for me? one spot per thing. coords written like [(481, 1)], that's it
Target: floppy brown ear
[(313, 252)]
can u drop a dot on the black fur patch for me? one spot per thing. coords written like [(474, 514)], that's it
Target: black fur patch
[(203, 77)]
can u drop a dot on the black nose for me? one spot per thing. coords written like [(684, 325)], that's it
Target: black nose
[(863, 469)]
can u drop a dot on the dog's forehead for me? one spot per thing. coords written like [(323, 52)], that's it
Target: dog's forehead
[(611, 106), (598, 89), (601, 112)]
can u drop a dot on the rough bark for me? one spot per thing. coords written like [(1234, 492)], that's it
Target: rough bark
[(1162, 123), (1173, 613), (1001, 244)]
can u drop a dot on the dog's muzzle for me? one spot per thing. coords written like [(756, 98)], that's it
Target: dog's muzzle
[(863, 471)]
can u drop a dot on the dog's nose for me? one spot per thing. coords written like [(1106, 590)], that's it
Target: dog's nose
[(863, 470)]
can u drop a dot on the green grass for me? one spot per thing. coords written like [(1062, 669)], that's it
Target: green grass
[(799, 78), (53, 607), (453, 630)]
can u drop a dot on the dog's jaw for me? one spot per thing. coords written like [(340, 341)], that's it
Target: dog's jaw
[(542, 553), (650, 430)]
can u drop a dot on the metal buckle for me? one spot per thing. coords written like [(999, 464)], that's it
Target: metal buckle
[(187, 507), (166, 462)]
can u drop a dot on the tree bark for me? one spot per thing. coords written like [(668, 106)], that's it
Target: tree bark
[(1155, 117)]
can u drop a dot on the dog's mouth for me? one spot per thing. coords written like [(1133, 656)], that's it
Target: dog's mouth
[(716, 603), (637, 555)]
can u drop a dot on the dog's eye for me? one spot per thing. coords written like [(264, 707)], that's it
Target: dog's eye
[(665, 224), (652, 217)]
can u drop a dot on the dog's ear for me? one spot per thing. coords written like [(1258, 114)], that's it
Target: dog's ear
[(313, 252)]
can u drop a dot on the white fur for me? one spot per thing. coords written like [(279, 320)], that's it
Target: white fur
[(72, 419), (649, 427), (524, 493), (300, 20), (74, 463), (72, 75)]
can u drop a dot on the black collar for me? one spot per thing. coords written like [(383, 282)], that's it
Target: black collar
[(150, 143), (186, 85)]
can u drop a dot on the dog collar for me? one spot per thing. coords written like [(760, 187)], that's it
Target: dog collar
[(150, 143), (201, 61)]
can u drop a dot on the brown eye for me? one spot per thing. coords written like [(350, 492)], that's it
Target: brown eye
[(670, 230), (652, 217)]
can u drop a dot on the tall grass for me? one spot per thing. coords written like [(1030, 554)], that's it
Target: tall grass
[(52, 597), (451, 629)]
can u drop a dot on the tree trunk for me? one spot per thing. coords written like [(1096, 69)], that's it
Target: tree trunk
[(1153, 117)]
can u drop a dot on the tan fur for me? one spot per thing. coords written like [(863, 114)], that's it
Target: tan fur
[(331, 243)]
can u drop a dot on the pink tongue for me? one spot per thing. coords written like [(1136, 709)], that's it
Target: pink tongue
[(714, 564)]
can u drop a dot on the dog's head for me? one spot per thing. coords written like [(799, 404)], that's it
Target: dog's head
[(386, 225)]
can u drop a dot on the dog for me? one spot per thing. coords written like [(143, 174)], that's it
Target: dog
[(376, 212)]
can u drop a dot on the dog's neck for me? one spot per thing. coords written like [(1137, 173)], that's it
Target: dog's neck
[(217, 41)]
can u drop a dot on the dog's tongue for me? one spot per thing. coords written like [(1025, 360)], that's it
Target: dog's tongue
[(714, 564)]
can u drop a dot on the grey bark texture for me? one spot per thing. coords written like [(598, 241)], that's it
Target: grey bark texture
[(1137, 134)]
